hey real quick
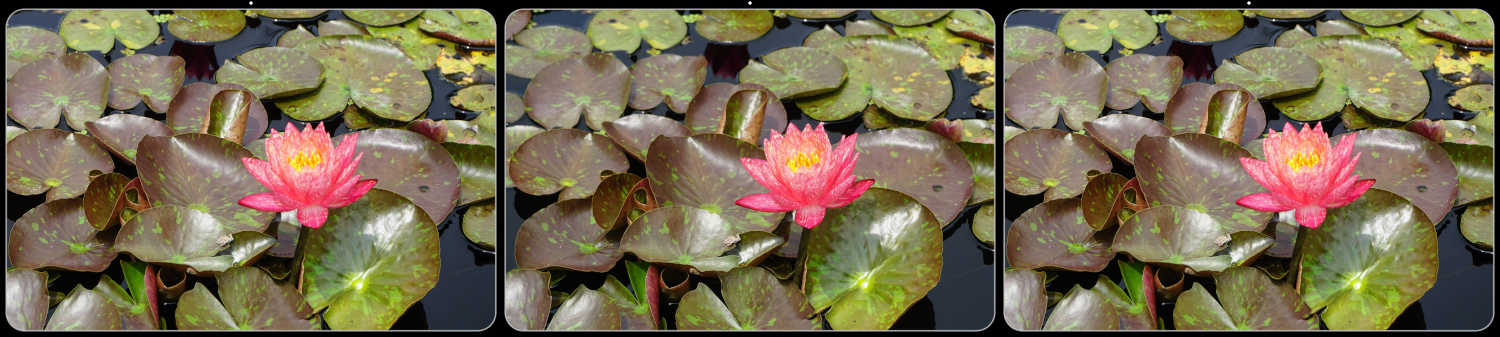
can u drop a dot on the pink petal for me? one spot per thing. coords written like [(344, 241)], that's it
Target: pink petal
[(857, 189), (262, 172), (1311, 216), (359, 190), (1359, 188), (268, 202), (762, 202), (1261, 172), (1268, 202), (312, 215), (838, 190), (764, 174), (809, 216), (1342, 178)]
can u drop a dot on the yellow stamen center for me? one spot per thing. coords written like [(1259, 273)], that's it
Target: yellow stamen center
[(305, 159), (1302, 160), (802, 160)]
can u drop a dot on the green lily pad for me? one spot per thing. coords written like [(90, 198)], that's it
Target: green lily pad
[(527, 297), (382, 17), (1187, 113), (756, 300), (341, 27), (597, 84), (289, 14), (1062, 173), (1379, 17), (1054, 235), (818, 37), (143, 76), (984, 224), (1168, 235), (564, 235), (411, 165), (920, 164), (88, 30), (909, 17), (686, 238), (422, 48), (1368, 291), (273, 72), (732, 26), (667, 76), (1202, 173), (885, 71), (944, 46), (982, 161), (973, 24), (64, 174), (1288, 14), (1404, 163), (1476, 171), (190, 110), (704, 171), (1474, 98), (1370, 73), (964, 130), (204, 173), (104, 199), (1478, 224), (818, 14), (1083, 309), (1485, 121), (867, 27), (172, 236), (205, 25), (84, 309), (1119, 133), (514, 136), (382, 241), (1024, 44), (1470, 27), (471, 27), (121, 133), (475, 98), (479, 224), (57, 234), (707, 109), (292, 37), (252, 300), (1272, 72), (634, 133), (26, 308), (476, 171), (900, 260), (1083, 30), (375, 75), (24, 44), (985, 99), (1152, 79), (1248, 300), (1420, 48), (35, 99), (612, 30), (586, 310), (1204, 25), (796, 72), (514, 24), (541, 167), (1072, 84)]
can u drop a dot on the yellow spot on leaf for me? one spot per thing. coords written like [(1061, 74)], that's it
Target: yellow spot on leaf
[(898, 90), (1374, 90), (1373, 78), (619, 26), (1390, 74), (387, 80), (645, 24), (898, 78), (1089, 26), (1114, 24), (377, 78), (115, 24), (391, 74), (1073, 41), (90, 26), (376, 90), (1385, 80)]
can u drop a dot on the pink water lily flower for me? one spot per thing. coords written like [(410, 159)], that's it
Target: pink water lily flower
[(1304, 174), (804, 175), (306, 174)]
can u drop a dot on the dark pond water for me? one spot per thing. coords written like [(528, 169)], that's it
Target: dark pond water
[(464, 297), (962, 300), (1462, 297)]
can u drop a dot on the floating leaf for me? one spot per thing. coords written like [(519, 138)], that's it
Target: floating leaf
[(1474, 98), (64, 174), (411, 165), (227, 114), (514, 24), (382, 17), (982, 161), (527, 296), (612, 199), (36, 97), (1054, 234), (479, 224), (1119, 133), (1204, 25), (1470, 27), (26, 308), (476, 171), (686, 238), (612, 30), (818, 37), (84, 309), (172, 236), (1063, 174), (541, 46), (1226, 114), (121, 133), (1379, 17), (252, 300), (104, 199), (290, 14), (475, 98), (1271, 72), (423, 49), (944, 46), (755, 300), (24, 44), (704, 171), (292, 37), (668, 76), (564, 235), (1187, 112), (1170, 236), (901, 251), (514, 108), (1288, 14), (1202, 173), (985, 99), (597, 84), (57, 234), (1478, 224), (634, 133), (973, 24), (909, 17), (191, 109), (1073, 84), (372, 73), (1476, 171), (867, 27), (143, 76), (1248, 300), (818, 14), (205, 25), (204, 173), (1372, 74), (514, 136), (1153, 79), (1419, 48), (920, 164), (796, 72), (706, 112), (886, 71), (273, 72), (586, 310), (1404, 163), (541, 167), (371, 261), (1084, 30), (733, 25), (1368, 291), (1083, 309), (89, 30), (471, 27)]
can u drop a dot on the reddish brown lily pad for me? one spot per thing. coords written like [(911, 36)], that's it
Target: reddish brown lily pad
[(1379, 17), (514, 136), (796, 72), (704, 171), (411, 165), (39, 93), (1053, 161), (818, 14), (1119, 132), (733, 25), (1250, 300), (667, 76), (1188, 110), (1408, 165), (53, 161), (1024, 44), (1054, 235), (1072, 84), (1142, 77), (921, 164), (1204, 25), (121, 133), (514, 23), (26, 308), (597, 84), (1169, 235), (24, 44), (1288, 14), (143, 76), (634, 133), (206, 25), (273, 72), (204, 173), (57, 234), (687, 238), (190, 110), (706, 112), (1272, 72), (104, 199), (172, 236), (1202, 173), (540, 46), (564, 236), (567, 160)]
